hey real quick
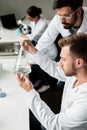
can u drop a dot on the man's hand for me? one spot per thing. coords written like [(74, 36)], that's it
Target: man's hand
[(24, 82), (24, 36), (29, 47)]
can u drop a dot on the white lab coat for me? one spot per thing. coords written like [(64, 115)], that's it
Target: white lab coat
[(37, 29), (73, 114), (55, 27)]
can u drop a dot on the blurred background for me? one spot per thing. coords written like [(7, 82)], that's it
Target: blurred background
[(18, 7)]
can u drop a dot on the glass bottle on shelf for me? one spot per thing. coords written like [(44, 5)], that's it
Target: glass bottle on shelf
[(21, 66)]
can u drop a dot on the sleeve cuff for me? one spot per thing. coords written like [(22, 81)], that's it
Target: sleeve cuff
[(28, 97)]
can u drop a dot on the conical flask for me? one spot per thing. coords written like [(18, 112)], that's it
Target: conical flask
[(21, 65)]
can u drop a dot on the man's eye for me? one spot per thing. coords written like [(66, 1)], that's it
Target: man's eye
[(66, 15)]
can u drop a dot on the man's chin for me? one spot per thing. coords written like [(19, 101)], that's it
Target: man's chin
[(66, 27)]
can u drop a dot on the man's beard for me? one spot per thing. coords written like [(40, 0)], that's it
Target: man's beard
[(72, 72), (67, 25)]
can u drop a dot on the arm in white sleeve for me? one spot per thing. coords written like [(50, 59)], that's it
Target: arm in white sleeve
[(50, 34), (73, 118), (49, 66)]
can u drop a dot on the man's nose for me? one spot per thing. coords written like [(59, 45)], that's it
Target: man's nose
[(60, 63), (62, 19)]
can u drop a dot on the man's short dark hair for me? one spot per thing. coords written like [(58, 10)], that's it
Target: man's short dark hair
[(78, 45), (74, 4)]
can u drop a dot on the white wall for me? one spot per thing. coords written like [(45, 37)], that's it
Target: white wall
[(19, 7)]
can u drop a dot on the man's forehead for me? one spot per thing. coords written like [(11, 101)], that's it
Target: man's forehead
[(64, 9), (65, 50)]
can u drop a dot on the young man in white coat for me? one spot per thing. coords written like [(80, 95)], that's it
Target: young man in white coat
[(70, 18), (72, 69)]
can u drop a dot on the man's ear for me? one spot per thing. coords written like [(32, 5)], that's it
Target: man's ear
[(79, 62), (79, 11)]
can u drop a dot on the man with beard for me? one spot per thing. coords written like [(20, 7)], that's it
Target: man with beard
[(72, 68), (70, 18)]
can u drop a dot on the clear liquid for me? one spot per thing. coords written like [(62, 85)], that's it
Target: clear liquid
[(22, 70)]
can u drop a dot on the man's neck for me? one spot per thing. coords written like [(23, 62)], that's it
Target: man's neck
[(81, 78)]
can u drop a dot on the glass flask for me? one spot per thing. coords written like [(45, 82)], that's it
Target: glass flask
[(21, 65)]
